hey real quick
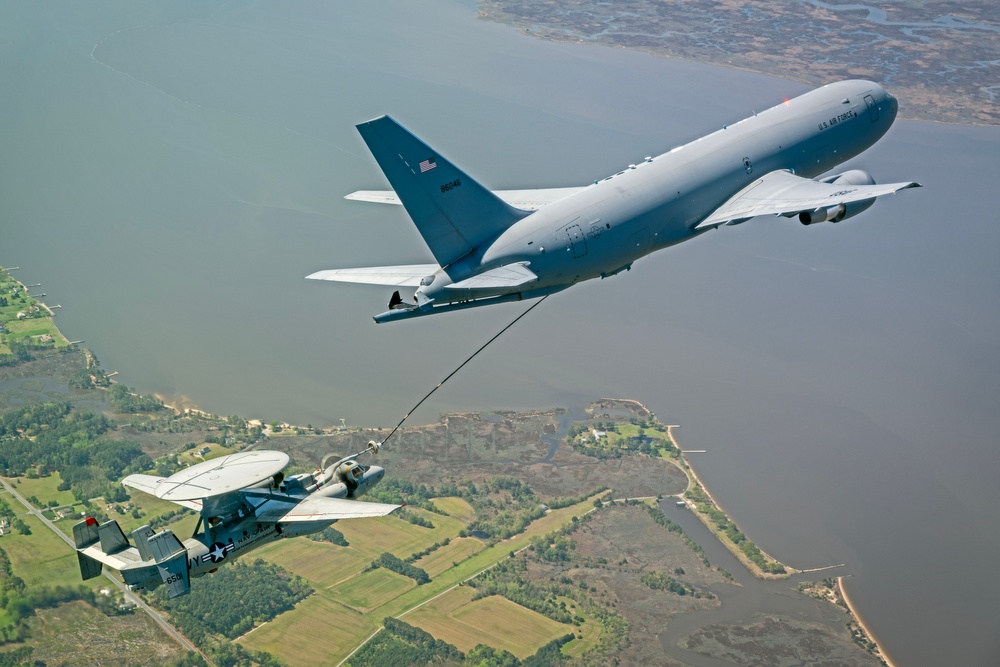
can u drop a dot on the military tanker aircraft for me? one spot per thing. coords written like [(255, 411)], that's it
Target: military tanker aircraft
[(495, 247), (245, 501)]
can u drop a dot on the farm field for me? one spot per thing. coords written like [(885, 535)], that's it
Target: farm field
[(322, 631), (323, 565), (458, 619), (43, 488), (372, 589), (446, 557), (372, 537)]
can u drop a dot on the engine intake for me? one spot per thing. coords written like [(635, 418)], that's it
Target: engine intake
[(841, 211)]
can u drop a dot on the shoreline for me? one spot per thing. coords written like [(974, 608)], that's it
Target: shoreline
[(682, 464), (867, 633), (694, 479)]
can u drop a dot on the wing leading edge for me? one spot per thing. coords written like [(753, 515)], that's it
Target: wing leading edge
[(784, 193)]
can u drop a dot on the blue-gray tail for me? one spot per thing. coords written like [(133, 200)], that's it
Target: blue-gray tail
[(452, 211)]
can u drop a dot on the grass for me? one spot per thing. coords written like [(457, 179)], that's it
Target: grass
[(322, 565), (371, 537), (372, 589), (43, 488), (458, 619), (456, 551), (320, 630), (458, 508), (42, 558)]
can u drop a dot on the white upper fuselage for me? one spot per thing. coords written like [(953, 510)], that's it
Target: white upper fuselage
[(658, 202)]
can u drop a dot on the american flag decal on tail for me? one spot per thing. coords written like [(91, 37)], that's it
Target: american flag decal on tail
[(427, 165)]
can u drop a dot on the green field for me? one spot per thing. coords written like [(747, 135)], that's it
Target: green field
[(372, 537), (456, 507), (42, 558), (43, 488), (458, 619), (319, 631), (323, 565), (456, 551), (372, 589)]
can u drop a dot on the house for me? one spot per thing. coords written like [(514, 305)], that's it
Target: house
[(46, 338), (599, 434), (204, 450)]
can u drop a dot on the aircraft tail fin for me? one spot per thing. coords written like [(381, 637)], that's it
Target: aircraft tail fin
[(452, 211)]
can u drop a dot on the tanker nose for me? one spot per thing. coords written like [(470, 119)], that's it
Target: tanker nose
[(376, 473), (892, 106)]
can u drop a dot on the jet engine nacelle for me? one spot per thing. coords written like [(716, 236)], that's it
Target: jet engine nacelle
[(841, 211)]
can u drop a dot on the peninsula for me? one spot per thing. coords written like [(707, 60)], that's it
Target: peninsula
[(527, 535)]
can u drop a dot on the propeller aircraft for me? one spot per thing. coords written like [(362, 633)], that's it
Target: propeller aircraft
[(245, 502)]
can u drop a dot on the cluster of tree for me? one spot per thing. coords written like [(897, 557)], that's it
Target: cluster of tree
[(726, 527), (508, 579), (662, 519), (162, 520), (504, 507), (403, 492), (414, 557), (402, 644), (124, 400), (13, 519), (393, 563), (659, 581), (412, 517), (233, 600), (19, 657), (20, 352), (553, 550), (331, 535), (566, 501)]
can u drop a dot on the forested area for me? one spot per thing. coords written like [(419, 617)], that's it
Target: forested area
[(49, 437), (234, 599), (400, 644)]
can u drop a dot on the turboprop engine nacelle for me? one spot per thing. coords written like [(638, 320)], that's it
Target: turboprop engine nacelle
[(841, 211)]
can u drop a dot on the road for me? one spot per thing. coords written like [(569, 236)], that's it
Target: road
[(129, 595)]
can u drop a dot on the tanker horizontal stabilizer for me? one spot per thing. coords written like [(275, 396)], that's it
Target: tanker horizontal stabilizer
[(511, 275), (526, 200), (394, 276)]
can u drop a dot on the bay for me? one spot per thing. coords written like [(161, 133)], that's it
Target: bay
[(170, 172)]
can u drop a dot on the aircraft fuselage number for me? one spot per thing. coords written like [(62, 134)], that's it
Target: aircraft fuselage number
[(837, 119), (451, 186), (174, 577)]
